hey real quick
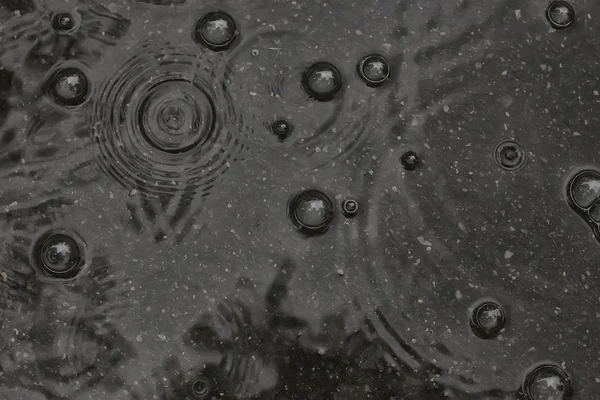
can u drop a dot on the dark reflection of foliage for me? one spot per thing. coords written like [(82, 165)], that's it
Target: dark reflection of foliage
[(266, 353), (56, 337), (165, 217)]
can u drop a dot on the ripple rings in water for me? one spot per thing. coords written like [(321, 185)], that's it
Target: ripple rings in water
[(161, 126)]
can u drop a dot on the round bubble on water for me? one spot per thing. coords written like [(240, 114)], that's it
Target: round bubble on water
[(410, 160), (59, 255), (585, 188), (560, 14), (350, 208), (216, 30), (282, 129), (548, 382), (311, 211), (322, 81), (373, 69), (68, 87), (487, 320)]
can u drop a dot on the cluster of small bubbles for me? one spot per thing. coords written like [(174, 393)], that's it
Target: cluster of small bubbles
[(560, 14), (322, 81), (374, 70), (510, 155), (68, 87), (349, 208), (547, 382), (410, 160), (487, 320), (282, 129), (200, 388), (311, 211), (216, 30), (58, 255)]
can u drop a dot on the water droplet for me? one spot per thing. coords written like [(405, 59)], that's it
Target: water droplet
[(311, 211), (560, 14), (200, 387), (322, 81), (584, 188), (216, 30), (410, 160), (487, 320), (547, 382), (68, 87), (373, 69), (63, 22), (509, 155), (349, 208), (282, 129), (58, 255)]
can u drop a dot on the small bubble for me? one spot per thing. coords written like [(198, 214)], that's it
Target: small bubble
[(487, 320), (68, 87), (373, 69), (59, 255), (282, 129), (349, 208), (322, 81), (560, 14), (410, 160), (216, 30), (547, 382), (311, 211), (63, 22), (200, 387), (509, 155)]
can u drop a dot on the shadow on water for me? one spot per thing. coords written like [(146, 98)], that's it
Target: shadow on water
[(259, 351)]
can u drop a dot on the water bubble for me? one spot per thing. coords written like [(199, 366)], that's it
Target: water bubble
[(216, 30), (311, 211), (560, 14), (282, 129), (58, 255), (374, 70), (68, 87), (162, 126), (63, 22), (509, 155), (410, 160), (547, 382), (200, 387), (584, 188), (349, 208), (322, 81), (487, 320)]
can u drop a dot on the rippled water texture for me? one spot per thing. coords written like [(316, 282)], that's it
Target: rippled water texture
[(299, 200)]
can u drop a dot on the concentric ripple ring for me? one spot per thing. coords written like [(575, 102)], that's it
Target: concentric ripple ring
[(161, 125)]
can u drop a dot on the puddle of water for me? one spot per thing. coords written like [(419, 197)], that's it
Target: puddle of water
[(291, 200)]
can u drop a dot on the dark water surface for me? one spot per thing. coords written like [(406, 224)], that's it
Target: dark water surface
[(209, 200)]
